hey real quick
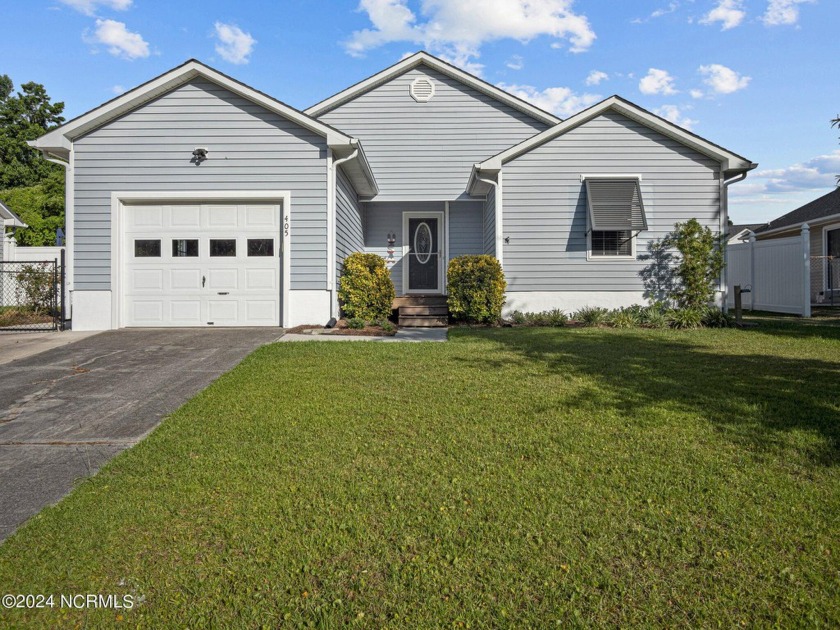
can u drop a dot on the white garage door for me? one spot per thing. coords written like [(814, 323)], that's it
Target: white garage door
[(202, 265)]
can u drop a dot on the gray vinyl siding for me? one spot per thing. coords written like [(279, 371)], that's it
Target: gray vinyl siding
[(349, 221), (490, 223), (421, 151), (466, 229), (544, 213), (383, 218), (149, 149)]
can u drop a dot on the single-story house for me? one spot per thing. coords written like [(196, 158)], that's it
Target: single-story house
[(196, 200), (822, 215), (738, 233), (9, 221)]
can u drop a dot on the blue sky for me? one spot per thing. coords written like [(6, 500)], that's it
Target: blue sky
[(756, 76)]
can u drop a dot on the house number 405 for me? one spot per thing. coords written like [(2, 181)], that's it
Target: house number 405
[(286, 225)]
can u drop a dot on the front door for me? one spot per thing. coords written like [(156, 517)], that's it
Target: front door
[(424, 254)]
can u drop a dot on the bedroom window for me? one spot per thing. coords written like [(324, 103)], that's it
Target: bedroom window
[(615, 214)]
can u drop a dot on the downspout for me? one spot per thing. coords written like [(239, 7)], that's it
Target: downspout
[(69, 218), (498, 203), (724, 190), (332, 245)]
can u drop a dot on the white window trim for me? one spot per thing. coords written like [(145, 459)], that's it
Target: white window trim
[(607, 258), (826, 229), (442, 238), (633, 233), (119, 200)]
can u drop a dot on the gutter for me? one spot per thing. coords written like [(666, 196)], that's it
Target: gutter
[(496, 184), (331, 223)]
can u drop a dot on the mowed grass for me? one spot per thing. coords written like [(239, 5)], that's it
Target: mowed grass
[(509, 478)]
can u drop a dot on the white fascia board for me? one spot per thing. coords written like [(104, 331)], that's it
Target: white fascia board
[(358, 171), (64, 135), (424, 58), (475, 186), (729, 161)]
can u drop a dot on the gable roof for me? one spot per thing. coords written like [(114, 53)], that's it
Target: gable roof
[(7, 215), (59, 140), (425, 59), (733, 164), (827, 206)]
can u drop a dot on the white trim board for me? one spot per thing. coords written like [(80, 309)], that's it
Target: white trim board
[(122, 198)]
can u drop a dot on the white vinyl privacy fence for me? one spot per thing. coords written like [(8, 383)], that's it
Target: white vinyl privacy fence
[(777, 273)]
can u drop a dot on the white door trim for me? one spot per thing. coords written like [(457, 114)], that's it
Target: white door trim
[(433, 214), (120, 199)]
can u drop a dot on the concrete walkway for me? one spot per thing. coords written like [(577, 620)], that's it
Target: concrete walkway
[(66, 411), (403, 334)]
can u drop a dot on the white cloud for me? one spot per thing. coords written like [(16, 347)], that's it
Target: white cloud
[(235, 45), (120, 41), (596, 77), (697, 94), (657, 82), (723, 80), (457, 29), (516, 62), (730, 13), (558, 100), (675, 114), (818, 172), (782, 12), (88, 7), (672, 6), (118, 89)]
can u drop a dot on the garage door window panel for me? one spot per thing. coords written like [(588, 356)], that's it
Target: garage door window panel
[(260, 247), (184, 248), (222, 247), (147, 248)]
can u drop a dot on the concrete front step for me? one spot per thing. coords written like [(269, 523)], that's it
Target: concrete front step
[(424, 321), (441, 311)]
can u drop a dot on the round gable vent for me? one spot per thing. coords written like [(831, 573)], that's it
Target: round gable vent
[(422, 89)]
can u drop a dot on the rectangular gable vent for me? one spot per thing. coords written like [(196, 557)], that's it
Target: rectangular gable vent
[(422, 89)]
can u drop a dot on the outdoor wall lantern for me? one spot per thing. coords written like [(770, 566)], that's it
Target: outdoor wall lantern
[(200, 154), (392, 238)]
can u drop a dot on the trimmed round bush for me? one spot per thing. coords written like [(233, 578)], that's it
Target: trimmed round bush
[(476, 286), (366, 291)]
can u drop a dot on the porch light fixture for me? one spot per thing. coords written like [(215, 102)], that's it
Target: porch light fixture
[(200, 154)]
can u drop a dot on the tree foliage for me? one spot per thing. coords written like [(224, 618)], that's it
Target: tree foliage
[(25, 116), (29, 185)]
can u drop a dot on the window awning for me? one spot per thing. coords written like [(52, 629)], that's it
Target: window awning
[(615, 204)]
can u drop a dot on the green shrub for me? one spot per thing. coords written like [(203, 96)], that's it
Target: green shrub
[(36, 286), (519, 318), (625, 317), (700, 263), (591, 316), (714, 317), (386, 325), (366, 290), (653, 317), (476, 286), (686, 317), (356, 323)]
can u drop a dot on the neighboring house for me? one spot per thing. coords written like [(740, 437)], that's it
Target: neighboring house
[(823, 218), (196, 200), (740, 233), (9, 222)]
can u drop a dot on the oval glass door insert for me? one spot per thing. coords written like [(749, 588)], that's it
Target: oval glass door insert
[(423, 243)]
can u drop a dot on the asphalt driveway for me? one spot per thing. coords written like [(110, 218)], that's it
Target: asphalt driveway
[(68, 410)]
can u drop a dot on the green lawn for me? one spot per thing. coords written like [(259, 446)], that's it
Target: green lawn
[(512, 477)]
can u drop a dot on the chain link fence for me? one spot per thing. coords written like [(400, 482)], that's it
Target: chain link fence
[(825, 280), (30, 296)]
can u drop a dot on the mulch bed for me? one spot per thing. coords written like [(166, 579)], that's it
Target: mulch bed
[(341, 328)]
